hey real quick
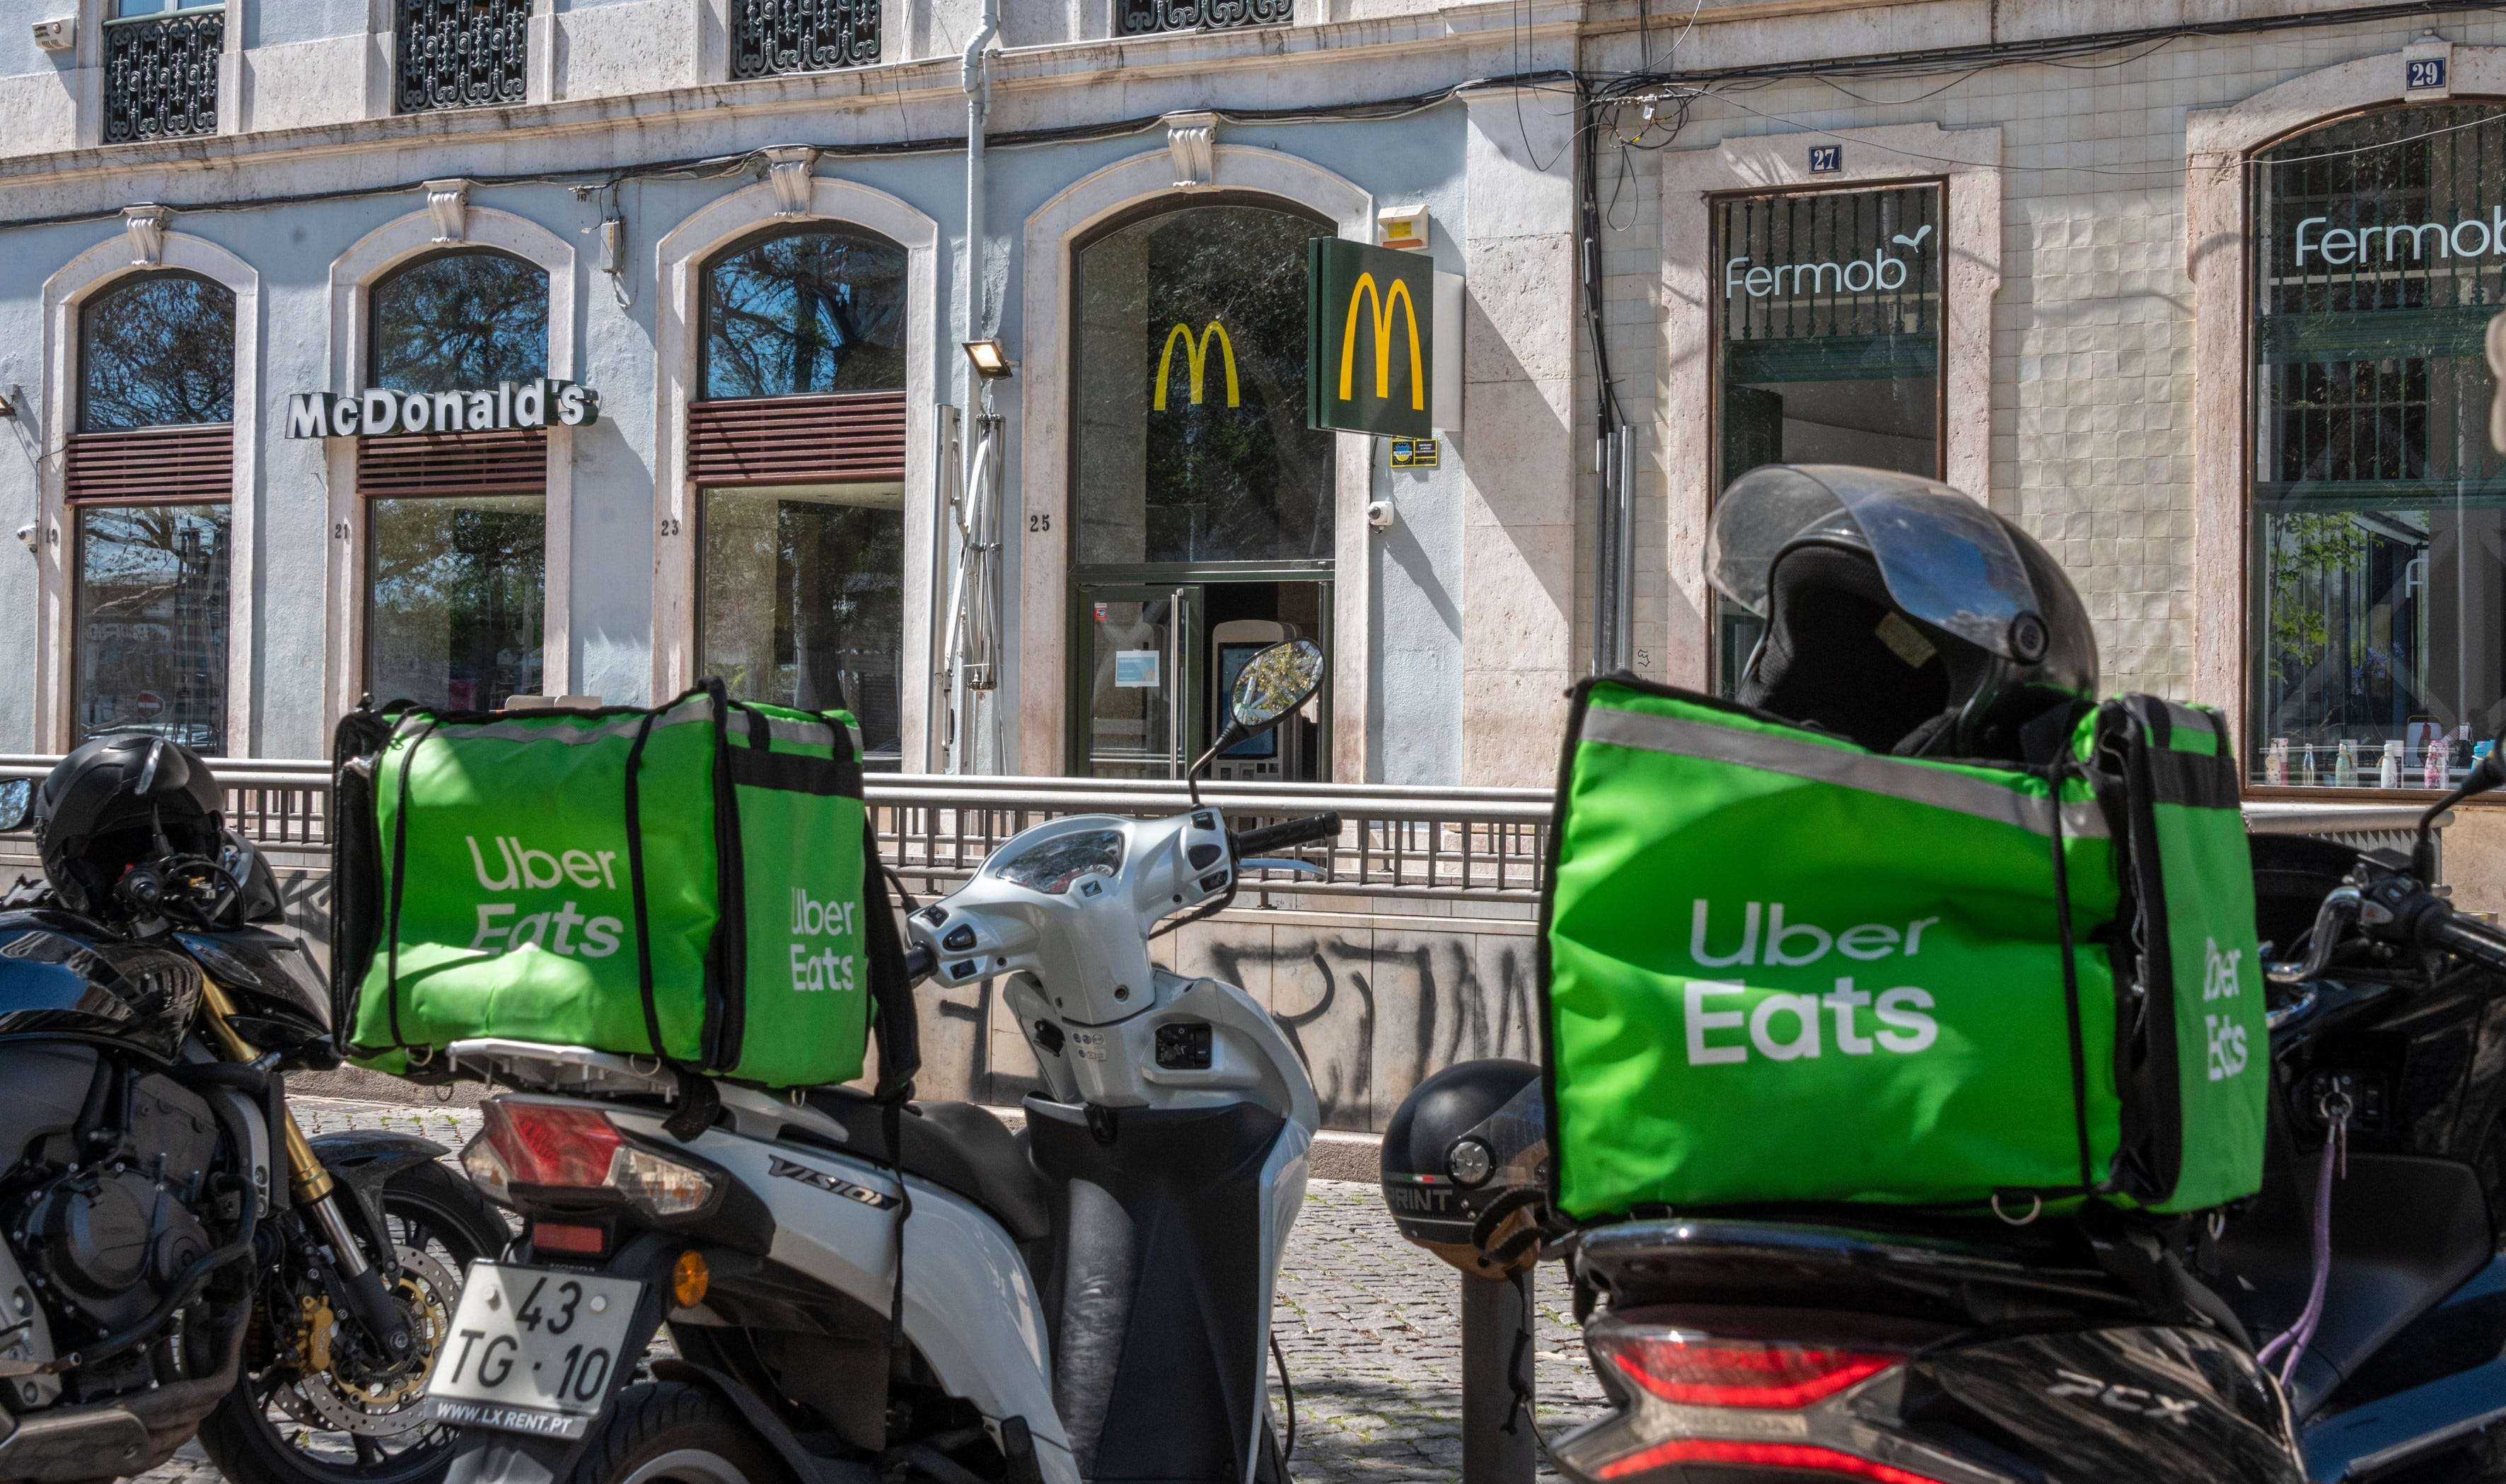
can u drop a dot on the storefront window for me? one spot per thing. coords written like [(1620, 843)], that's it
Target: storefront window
[(1828, 334), (459, 593), (460, 321), (2379, 557), (1192, 444), (151, 607), (805, 605), (810, 311), (157, 351)]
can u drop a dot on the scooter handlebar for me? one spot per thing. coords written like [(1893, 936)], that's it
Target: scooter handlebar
[(1285, 834)]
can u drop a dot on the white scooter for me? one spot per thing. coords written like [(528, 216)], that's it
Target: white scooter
[(1089, 1300)]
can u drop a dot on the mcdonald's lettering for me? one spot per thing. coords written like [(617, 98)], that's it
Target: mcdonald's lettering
[(1362, 299), (1195, 356), (1384, 305)]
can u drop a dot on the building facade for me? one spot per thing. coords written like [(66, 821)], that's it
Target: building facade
[(458, 349)]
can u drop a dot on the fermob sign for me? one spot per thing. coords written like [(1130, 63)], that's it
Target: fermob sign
[(376, 413), (1370, 345)]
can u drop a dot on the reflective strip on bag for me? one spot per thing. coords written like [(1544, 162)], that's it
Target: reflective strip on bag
[(1843, 767)]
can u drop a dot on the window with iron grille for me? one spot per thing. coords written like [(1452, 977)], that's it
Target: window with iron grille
[(160, 69), (461, 54), (1141, 18), (770, 38), (2378, 564)]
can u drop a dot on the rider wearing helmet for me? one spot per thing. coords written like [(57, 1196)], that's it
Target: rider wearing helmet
[(1901, 614), (119, 801)]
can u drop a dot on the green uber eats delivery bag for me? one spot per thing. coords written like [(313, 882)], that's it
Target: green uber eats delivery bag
[(694, 882), (1781, 968)]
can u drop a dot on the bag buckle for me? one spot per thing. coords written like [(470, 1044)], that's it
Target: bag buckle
[(2035, 1209)]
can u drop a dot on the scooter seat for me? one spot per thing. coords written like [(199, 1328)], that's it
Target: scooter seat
[(958, 1146)]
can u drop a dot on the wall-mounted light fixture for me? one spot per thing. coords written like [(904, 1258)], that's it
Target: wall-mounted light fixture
[(989, 359)]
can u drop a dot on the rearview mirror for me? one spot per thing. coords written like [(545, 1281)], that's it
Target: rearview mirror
[(17, 804), (1277, 681)]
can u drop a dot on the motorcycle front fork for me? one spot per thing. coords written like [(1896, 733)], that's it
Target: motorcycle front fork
[(318, 1193)]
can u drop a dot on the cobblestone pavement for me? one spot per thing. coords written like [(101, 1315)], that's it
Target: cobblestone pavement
[(1370, 1325)]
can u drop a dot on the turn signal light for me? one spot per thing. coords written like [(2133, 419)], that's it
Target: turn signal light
[(1796, 1459), (1697, 1371), (569, 1146)]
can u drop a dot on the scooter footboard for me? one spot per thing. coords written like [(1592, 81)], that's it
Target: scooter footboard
[(1160, 1289)]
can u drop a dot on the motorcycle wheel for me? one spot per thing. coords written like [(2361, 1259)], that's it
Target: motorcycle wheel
[(658, 1430), (280, 1426)]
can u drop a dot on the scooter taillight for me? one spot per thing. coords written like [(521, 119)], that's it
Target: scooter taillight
[(562, 1146), (1699, 1371), (1720, 1459)]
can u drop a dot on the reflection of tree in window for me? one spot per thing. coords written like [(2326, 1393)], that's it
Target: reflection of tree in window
[(155, 353), (1199, 480), (152, 618), (459, 592), (459, 322), (831, 569), (807, 311)]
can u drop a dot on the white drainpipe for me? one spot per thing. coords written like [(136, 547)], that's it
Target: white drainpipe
[(973, 524)]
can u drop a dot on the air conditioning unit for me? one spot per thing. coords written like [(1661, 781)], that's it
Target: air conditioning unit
[(58, 34)]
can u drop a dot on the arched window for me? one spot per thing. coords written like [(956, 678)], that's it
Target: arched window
[(456, 523), (804, 310), (2377, 627), (459, 321), (156, 351), (1202, 503), (149, 602), (802, 510)]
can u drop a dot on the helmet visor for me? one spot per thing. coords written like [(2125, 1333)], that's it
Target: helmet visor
[(1946, 559)]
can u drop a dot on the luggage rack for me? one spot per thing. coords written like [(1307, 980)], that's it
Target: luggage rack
[(580, 1072), (1786, 1264)]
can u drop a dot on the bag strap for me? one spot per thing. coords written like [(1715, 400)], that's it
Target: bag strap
[(399, 875), (2070, 979), (891, 997), (725, 970), (635, 882)]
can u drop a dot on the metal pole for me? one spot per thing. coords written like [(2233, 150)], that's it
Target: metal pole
[(1496, 1370)]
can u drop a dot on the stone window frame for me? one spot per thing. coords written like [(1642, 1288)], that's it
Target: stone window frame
[(1038, 565), (382, 59), (86, 101), (2220, 145), (680, 259), (1966, 162), (144, 247), (354, 275)]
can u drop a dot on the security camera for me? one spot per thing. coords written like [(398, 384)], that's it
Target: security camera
[(27, 534), (1381, 515)]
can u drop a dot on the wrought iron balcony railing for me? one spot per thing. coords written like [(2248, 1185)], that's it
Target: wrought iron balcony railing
[(772, 38), (1143, 18), (161, 76), (461, 54)]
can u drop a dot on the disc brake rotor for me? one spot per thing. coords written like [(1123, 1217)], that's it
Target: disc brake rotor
[(389, 1400)]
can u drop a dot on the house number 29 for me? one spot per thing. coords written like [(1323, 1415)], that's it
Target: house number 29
[(2425, 72)]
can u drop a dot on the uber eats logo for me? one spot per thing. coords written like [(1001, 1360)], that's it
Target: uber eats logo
[(822, 942), (2227, 1051), (1370, 345), (506, 864), (1729, 1022)]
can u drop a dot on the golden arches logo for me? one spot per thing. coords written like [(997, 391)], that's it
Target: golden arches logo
[(1383, 303), (1196, 359)]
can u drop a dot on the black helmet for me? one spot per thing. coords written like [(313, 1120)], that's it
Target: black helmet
[(1901, 614), (117, 801), (1470, 1138)]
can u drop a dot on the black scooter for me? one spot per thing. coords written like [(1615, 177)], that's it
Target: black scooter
[(178, 1256), (2347, 1323)]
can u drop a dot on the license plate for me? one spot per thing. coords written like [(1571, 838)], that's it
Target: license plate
[(532, 1350)]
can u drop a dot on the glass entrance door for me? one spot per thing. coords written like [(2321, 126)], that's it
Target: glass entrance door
[(1143, 691)]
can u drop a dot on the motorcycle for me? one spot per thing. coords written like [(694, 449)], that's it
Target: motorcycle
[(857, 1290), (180, 1258), (2368, 1268)]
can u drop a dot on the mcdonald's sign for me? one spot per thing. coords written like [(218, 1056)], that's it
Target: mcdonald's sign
[(1370, 348), (1196, 357)]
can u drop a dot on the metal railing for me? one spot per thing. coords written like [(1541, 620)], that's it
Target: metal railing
[(160, 75), (1414, 843)]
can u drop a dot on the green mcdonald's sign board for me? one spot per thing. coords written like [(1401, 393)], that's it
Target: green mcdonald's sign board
[(1371, 346)]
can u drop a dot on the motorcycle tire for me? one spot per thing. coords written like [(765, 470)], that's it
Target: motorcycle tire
[(670, 1430), (451, 1222)]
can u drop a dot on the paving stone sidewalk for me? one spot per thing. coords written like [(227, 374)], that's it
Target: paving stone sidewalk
[(1370, 1325)]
